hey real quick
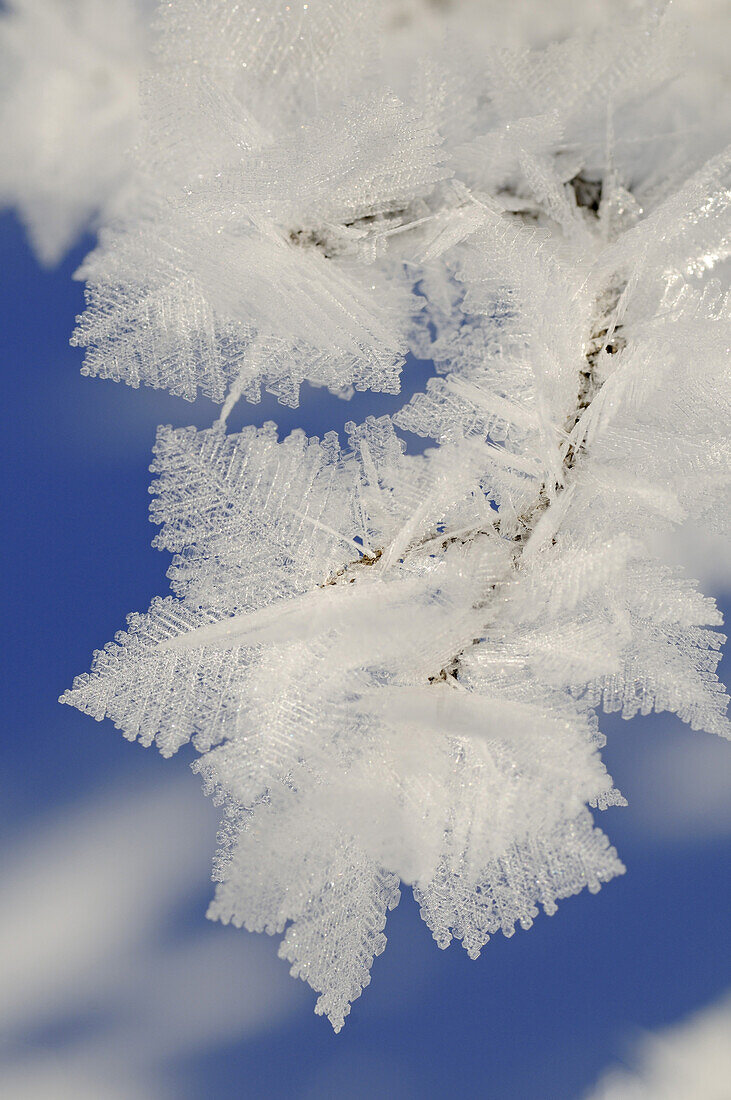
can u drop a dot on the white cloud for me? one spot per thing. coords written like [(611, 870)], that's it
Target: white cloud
[(86, 948), (87, 889), (680, 785), (689, 1061), (50, 1078), (703, 553)]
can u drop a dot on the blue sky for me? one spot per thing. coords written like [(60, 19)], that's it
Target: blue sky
[(112, 983)]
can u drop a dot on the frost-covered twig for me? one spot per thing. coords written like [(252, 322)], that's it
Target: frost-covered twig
[(391, 663)]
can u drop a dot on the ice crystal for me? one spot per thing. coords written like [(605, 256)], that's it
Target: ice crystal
[(279, 182), (391, 663), (68, 111)]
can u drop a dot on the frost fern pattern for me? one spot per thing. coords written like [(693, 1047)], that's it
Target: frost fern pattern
[(391, 663)]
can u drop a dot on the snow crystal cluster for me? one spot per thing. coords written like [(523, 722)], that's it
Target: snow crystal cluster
[(391, 663)]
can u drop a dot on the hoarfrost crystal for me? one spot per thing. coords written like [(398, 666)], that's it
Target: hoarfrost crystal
[(391, 663)]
